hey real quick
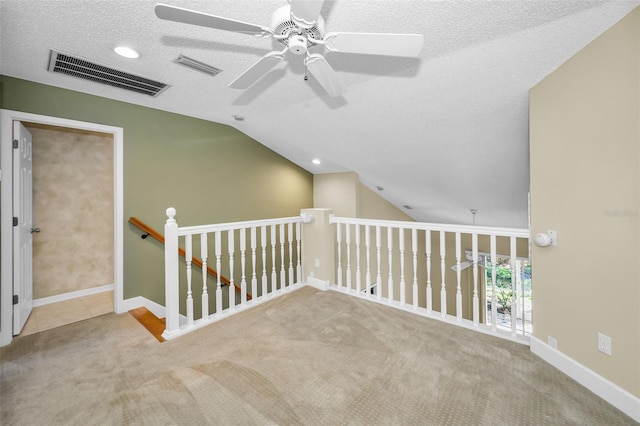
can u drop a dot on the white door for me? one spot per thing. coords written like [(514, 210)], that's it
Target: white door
[(23, 226)]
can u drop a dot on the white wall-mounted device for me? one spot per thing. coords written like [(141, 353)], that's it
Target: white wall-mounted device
[(544, 239)]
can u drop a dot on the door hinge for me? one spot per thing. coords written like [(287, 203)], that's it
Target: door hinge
[(16, 144), (15, 221), (15, 299)]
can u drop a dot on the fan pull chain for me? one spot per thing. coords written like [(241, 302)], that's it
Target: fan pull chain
[(305, 71)]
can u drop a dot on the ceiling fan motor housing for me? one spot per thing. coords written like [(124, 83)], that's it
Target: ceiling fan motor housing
[(282, 25)]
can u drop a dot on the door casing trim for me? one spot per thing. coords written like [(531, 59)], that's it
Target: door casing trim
[(6, 208)]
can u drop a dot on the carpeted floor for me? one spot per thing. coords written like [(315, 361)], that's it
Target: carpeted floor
[(310, 357)]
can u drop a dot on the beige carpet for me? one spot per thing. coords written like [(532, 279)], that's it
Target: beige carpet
[(310, 357)]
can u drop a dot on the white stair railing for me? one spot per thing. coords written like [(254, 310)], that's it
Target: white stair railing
[(231, 242), (454, 255)]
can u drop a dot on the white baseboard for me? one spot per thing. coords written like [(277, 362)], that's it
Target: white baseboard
[(139, 301), (610, 392), (316, 283), (72, 295)]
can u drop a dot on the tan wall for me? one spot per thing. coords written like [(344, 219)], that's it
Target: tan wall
[(338, 192), (73, 207), (584, 121)]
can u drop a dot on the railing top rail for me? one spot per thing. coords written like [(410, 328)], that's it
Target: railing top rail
[(201, 229), (425, 226)]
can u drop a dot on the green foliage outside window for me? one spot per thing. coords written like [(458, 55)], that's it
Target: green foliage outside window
[(503, 290)]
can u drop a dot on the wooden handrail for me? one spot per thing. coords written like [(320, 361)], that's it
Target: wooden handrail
[(196, 261)]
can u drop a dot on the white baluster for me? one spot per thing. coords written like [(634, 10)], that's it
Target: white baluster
[(367, 245), (339, 245), (514, 275), (476, 301), (298, 264), (232, 287), (290, 239), (283, 274), (520, 287), (358, 276), (414, 251), (390, 280), (243, 280), (347, 233), (458, 282), (494, 288), (274, 274), (263, 243), (218, 247), (171, 274), (189, 258), (205, 296), (403, 284), (379, 262), (443, 286), (429, 289), (254, 278)]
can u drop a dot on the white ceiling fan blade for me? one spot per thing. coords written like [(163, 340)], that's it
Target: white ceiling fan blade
[(305, 12), (407, 45), (257, 70), (186, 16), (326, 76)]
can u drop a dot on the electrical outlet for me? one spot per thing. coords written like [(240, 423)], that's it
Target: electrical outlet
[(317, 263), (604, 344), (552, 342)]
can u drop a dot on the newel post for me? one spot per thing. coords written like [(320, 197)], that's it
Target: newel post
[(318, 248), (171, 274)]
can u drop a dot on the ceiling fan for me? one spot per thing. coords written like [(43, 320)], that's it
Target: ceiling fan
[(469, 261), (299, 27)]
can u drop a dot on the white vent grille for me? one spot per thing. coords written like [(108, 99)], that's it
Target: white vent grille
[(197, 65), (77, 67)]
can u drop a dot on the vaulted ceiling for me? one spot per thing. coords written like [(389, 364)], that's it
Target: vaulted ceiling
[(443, 133)]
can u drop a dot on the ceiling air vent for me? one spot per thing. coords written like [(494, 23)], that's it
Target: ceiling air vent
[(197, 65), (82, 68)]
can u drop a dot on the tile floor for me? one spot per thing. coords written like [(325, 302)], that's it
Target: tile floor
[(58, 314)]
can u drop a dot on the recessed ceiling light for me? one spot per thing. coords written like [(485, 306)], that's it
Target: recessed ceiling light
[(126, 52), (238, 117), (315, 161)]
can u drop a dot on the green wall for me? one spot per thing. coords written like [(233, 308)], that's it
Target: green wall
[(210, 172)]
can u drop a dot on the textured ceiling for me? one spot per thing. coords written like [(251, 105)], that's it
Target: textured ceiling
[(443, 133)]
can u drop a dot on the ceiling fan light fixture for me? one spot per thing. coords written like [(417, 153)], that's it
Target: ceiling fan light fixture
[(126, 52)]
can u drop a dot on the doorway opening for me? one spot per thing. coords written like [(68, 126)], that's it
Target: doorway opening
[(114, 212), (73, 215)]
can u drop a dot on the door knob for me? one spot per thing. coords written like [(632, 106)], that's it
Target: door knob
[(36, 230)]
